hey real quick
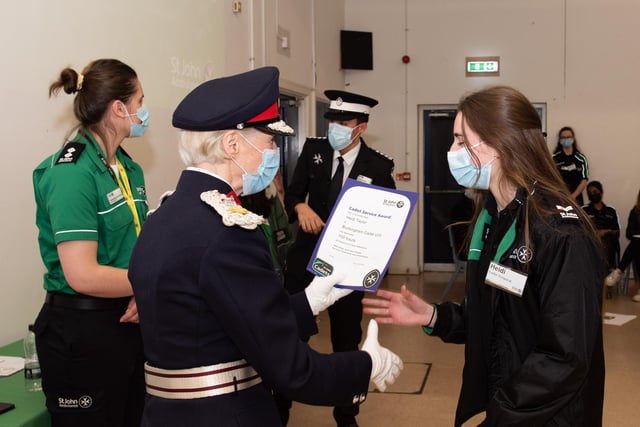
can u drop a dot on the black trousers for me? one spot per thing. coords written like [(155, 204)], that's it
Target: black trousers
[(631, 254), (92, 367)]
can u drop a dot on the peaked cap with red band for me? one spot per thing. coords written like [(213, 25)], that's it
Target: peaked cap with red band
[(243, 100)]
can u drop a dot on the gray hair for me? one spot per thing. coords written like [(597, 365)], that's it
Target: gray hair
[(197, 147), (202, 146)]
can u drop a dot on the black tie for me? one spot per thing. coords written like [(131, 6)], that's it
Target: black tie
[(336, 183)]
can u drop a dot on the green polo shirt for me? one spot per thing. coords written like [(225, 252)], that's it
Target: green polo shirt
[(77, 198)]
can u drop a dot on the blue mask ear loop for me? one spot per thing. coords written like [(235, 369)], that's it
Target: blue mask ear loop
[(254, 147), (474, 146)]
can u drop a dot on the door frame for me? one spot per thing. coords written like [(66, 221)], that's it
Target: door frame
[(422, 109)]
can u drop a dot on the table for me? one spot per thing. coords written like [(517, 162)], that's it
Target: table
[(30, 410)]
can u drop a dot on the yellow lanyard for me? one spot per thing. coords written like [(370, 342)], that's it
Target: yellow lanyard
[(125, 187)]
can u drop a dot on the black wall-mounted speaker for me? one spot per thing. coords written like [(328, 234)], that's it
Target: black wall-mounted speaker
[(356, 50)]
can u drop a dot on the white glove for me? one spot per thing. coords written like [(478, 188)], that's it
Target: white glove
[(321, 292), (385, 364)]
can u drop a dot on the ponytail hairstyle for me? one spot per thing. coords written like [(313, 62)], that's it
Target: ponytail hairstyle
[(100, 83)]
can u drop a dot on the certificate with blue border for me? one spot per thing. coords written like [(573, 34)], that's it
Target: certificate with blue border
[(362, 233)]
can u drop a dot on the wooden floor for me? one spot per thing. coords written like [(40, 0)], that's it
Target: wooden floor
[(426, 392)]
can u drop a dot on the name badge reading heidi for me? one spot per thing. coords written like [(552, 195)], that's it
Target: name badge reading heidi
[(114, 196), (506, 279)]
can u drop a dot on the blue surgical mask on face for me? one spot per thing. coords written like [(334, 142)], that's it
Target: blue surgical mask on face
[(138, 129), (339, 136), (466, 173), (255, 182), (566, 142)]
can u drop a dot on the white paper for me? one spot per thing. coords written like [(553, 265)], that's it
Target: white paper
[(617, 319), (362, 234), (9, 365)]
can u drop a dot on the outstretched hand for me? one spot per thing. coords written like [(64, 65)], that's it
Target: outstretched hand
[(398, 308)]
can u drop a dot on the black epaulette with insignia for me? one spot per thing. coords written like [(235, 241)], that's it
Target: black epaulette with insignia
[(381, 154), (316, 139), (71, 153)]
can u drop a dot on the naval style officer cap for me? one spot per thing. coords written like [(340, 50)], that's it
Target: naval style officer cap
[(348, 106), (243, 100)]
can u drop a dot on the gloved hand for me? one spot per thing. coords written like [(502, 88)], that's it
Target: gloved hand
[(385, 364), (321, 292)]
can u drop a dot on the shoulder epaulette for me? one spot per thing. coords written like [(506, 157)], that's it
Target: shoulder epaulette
[(316, 139), (70, 153), (381, 154)]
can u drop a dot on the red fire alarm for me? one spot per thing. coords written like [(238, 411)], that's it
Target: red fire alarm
[(406, 59), (403, 176)]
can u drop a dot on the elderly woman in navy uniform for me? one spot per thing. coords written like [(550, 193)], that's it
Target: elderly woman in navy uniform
[(220, 332)]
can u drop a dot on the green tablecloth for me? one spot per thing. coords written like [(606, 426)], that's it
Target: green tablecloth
[(30, 410)]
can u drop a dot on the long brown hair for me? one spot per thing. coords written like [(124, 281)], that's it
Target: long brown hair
[(504, 119)]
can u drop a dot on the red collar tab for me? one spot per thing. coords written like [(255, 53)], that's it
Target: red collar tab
[(234, 196)]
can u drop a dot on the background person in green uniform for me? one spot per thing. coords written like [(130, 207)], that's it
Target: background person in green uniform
[(91, 203)]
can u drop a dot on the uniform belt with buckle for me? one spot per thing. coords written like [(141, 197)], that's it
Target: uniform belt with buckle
[(204, 381)]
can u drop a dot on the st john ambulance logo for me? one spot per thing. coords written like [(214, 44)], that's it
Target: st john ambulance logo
[(524, 254), (566, 212), (85, 401), (371, 279)]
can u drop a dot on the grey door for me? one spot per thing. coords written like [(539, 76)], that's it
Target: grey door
[(444, 200)]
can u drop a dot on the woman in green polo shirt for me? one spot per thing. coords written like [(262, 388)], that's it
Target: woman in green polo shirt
[(91, 204)]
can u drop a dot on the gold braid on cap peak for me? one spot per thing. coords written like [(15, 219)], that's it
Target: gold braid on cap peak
[(80, 80)]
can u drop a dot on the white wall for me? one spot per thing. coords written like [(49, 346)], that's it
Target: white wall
[(578, 56), (173, 46), (40, 38)]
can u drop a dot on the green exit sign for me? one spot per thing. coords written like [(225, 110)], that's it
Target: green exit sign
[(488, 66)]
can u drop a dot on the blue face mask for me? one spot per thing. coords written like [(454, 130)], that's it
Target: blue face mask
[(566, 142), (466, 173), (138, 129), (255, 182), (339, 136)]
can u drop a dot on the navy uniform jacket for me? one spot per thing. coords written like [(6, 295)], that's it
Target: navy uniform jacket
[(312, 177), (207, 294)]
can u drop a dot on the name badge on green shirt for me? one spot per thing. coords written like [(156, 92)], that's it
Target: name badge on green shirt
[(114, 196)]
